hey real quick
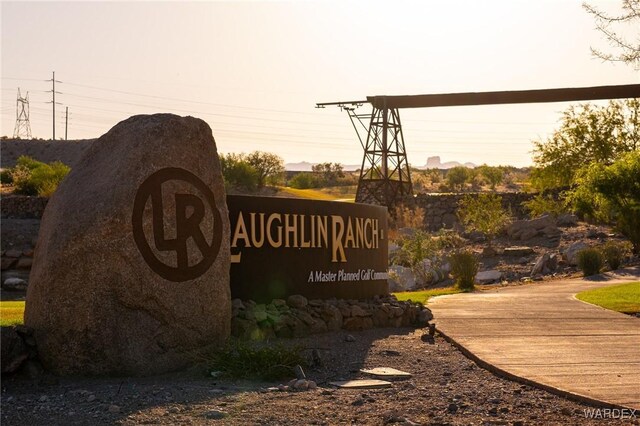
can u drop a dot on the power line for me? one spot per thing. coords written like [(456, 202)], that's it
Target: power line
[(53, 102)]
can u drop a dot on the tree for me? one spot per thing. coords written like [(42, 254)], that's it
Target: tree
[(457, 176), (612, 193), (493, 175), (270, 167), (238, 173), (626, 50), (330, 172), (587, 134), (483, 213)]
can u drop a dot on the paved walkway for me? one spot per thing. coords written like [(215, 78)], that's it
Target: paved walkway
[(541, 334)]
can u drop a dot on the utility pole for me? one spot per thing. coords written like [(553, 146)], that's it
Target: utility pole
[(66, 123), (23, 127), (53, 91)]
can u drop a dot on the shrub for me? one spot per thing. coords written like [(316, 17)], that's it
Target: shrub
[(5, 177), (421, 251), (304, 180), (464, 267), (251, 360), (457, 176), (541, 204), (613, 253), (405, 217), (612, 193), (28, 162), (449, 239), (483, 213), (32, 177), (590, 261)]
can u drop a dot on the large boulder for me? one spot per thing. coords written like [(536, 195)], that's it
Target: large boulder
[(545, 264), (131, 271), (567, 220), (401, 278), (524, 230), (570, 253)]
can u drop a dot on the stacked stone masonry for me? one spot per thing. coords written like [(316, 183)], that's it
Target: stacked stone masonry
[(22, 207), (297, 316), (440, 209)]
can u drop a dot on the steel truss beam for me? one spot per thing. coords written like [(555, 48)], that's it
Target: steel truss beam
[(385, 175)]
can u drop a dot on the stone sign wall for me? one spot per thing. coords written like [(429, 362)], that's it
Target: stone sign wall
[(319, 249), (131, 269)]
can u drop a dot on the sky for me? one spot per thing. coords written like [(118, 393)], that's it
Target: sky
[(255, 70)]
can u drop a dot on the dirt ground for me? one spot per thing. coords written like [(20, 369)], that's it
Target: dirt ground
[(446, 389)]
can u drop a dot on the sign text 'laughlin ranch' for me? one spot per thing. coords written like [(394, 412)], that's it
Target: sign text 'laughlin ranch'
[(320, 249), (307, 231)]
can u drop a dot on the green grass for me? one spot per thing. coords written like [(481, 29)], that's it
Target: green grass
[(623, 298), (423, 296), (11, 312), (342, 193)]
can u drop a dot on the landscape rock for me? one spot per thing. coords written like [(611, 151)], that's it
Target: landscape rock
[(567, 220), (476, 236), (214, 415), (15, 284), (570, 253), (332, 316), (13, 253), (487, 277), (488, 251), (545, 264), (424, 317), (401, 278), (131, 272), (526, 229), (13, 348), (25, 263), (518, 251), (297, 301), (8, 262)]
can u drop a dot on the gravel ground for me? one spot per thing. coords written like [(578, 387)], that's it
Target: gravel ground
[(446, 389)]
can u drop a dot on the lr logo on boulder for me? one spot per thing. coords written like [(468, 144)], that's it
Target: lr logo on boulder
[(185, 218)]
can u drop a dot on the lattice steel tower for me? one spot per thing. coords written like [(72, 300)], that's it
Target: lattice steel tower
[(23, 127), (384, 175)]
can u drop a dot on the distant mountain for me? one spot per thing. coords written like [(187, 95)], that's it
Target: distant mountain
[(305, 166), (432, 163), (302, 166), (435, 163)]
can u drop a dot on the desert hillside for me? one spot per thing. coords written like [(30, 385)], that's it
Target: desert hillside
[(69, 152)]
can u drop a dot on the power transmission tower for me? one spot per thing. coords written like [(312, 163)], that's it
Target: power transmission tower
[(23, 127), (53, 91), (384, 175), (66, 123)]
